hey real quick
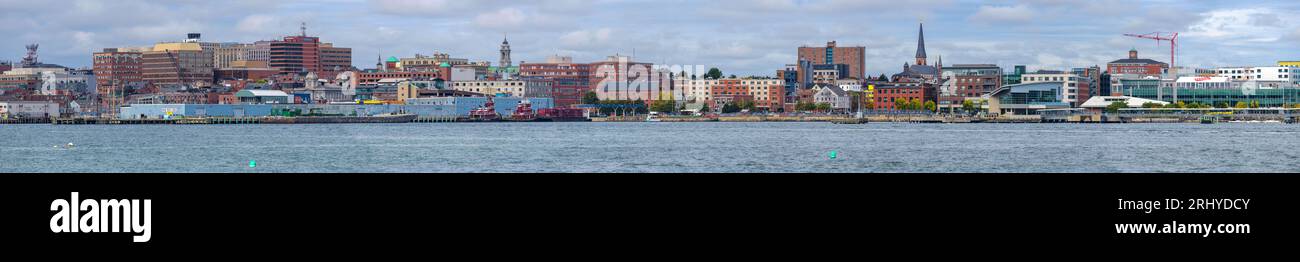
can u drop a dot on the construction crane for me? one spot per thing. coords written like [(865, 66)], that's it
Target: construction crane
[(1160, 36)]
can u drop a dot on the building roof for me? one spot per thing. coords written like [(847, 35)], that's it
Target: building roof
[(256, 93), (177, 47), (1136, 61), (834, 89), (1031, 86), (1104, 101)]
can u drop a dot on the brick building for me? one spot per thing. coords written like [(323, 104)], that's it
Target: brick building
[(1136, 66), (887, 95), (854, 57), (571, 80)]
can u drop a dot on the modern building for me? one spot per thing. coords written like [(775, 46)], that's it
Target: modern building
[(301, 53), (1136, 66), (1027, 98), (177, 64), (1098, 104), (1215, 91), (1263, 73), (572, 80), (1074, 89), (969, 81), (428, 63), (854, 57)]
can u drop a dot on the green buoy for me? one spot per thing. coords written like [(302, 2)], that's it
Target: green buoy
[(834, 154), (252, 163)]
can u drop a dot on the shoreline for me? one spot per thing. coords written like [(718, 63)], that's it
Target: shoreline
[(935, 119)]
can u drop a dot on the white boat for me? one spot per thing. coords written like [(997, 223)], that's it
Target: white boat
[(653, 117)]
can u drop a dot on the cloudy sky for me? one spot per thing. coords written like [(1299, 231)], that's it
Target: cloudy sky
[(744, 37)]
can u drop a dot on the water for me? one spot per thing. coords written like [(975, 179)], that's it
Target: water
[(652, 147)]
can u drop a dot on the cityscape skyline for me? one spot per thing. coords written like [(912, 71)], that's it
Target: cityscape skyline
[(740, 37)]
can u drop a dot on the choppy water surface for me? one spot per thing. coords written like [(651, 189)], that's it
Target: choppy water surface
[(653, 147)]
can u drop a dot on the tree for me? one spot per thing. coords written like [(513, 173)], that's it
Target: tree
[(1114, 107), (663, 106), (1221, 105), (590, 98), (1151, 105), (640, 107), (704, 109), (968, 106), (714, 73), (730, 108), (1180, 104), (930, 106), (1242, 105), (1254, 103), (824, 107)]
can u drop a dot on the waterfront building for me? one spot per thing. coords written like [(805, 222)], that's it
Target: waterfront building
[(839, 100), (514, 88), (1217, 91), (854, 57), (1014, 76), (767, 94), (29, 109), (1136, 66), (887, 96), (572, 80), (251, 96), (969, 81), (114, 69), (1028, 98), (433, 106), (1098, 104), (372, 78), (621, 78), (1074, 89)]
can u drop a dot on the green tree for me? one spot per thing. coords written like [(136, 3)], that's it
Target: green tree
[(1180, 104), (714, 73), (1151, 105), (1114, 107), (968, 106), (590, 98), (824, 107), (664, 106), (704, 109), (1221, 105), (1242, 105), (931, 106), (730, 108), (1254, 103)]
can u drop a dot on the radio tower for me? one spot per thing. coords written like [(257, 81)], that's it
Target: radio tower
[(1159, 36)]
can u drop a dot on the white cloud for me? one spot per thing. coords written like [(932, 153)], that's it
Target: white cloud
[(256, 23), (1003, 14), (587, 38), (505, 18), (1249, 25)]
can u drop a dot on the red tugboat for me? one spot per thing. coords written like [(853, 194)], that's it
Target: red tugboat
[(486, 113), (523, 112)]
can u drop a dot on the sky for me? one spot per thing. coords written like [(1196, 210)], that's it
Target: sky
[(742, 37)]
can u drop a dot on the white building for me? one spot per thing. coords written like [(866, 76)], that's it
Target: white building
[(1069, 82), (513, 88), (701, 90), (1263, 73), (28, 109), (833, 95)]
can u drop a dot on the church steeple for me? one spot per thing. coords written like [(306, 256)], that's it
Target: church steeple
[(920, 46)]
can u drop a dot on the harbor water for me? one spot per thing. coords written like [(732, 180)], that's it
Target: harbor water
[(652, 147)]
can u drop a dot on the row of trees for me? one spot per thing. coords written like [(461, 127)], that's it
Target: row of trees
[(1116, 106), (915, 105), (810, 106)]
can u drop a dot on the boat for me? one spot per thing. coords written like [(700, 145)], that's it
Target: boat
[(388, 118), (485, 113), (562, 115), (1208, 120), (653, 117), (523, 112)]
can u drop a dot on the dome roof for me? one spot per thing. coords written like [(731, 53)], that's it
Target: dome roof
[(392, 59), (445, 64)]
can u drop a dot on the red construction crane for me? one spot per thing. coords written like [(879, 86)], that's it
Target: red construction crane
[(1160, 36)]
